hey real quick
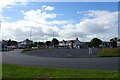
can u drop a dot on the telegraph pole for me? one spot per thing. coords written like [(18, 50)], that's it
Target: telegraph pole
[(30, 34), (0, 30), (30, 38), (2, 35), (0, 26)]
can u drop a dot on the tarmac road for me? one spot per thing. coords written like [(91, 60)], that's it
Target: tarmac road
[(16, 57)]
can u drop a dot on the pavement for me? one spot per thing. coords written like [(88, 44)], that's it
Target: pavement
[(83, 63)]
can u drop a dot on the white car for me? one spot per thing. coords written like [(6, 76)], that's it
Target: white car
[(34, 47)]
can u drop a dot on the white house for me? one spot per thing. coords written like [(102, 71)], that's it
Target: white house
[(70, 43), (0, 46), (25, 44), (105, 44), (118, 43)]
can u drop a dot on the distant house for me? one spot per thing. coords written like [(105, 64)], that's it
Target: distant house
[(106, 44), (118, 43), (1, 46), (11, 44), (70, 43), (25, 44)]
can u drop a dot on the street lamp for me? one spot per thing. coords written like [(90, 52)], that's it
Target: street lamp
[(1, 33), (30, 33), (30, 37), (0, 30)]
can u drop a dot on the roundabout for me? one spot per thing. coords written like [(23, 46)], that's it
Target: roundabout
[(64, 53), (83, 63)]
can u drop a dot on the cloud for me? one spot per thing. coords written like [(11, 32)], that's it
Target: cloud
[(36, 20), (38, 16), (78, 12), (101, 22), (5, 4), (41, 17), (95, 23), (47, 8), (60, 22)]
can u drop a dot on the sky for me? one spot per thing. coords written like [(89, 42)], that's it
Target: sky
[(61, 20)]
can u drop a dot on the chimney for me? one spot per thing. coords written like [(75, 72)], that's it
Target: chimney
[(76, 38)]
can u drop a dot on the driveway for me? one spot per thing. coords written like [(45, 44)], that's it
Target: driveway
[(16, 57)]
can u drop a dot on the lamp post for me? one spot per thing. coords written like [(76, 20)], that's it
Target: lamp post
[(2, 35), (0, 30), (30, 33), (30, 37), (0, 26)]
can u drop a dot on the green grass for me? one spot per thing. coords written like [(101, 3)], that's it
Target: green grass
[(109, 52), (31, 49), (17, 71), (0, 70)]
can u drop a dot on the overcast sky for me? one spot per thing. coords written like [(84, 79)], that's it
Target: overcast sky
[(62, 20)]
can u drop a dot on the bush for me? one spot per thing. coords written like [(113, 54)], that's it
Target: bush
[(109, 52)]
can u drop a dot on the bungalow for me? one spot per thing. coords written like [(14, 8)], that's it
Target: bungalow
[(11, 44), (70, 43)]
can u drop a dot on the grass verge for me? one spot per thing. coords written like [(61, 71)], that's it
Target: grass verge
[(109, 52), (31, 49), (17, 71), (0, 70)]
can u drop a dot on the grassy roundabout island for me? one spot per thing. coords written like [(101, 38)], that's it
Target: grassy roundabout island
[(109, 52), (73, 53)]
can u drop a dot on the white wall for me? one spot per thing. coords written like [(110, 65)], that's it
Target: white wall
[(0, 46), (118, 43)]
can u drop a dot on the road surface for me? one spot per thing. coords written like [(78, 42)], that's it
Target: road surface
[(16, 57)]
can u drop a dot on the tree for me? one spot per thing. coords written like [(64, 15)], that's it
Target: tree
[(48, 43), (11, 43), (35, 44), (40, 43), (88, 44), (55, 42), (113, 42), (95, 42)]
